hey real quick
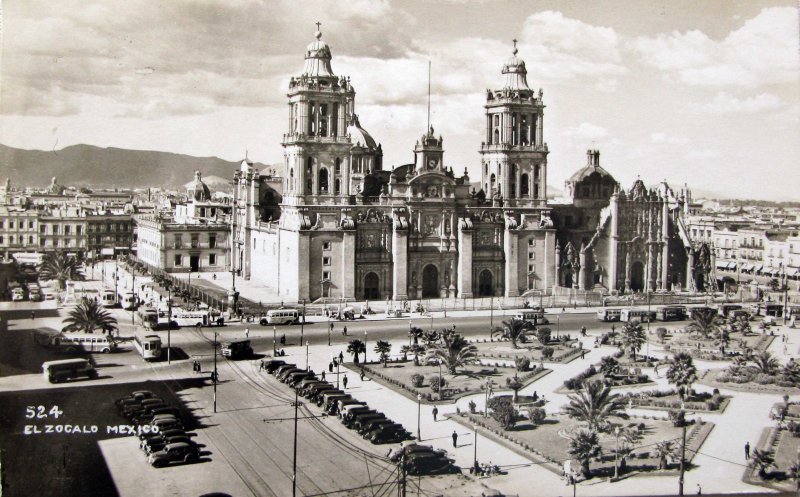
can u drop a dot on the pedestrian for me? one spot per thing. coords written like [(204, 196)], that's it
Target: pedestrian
[(344, 331), (435, 413), (341, 358), (344, 381), (362, 375), (247, 332), (583, 353), (283, 339), (214, 276), (655, 370), (455, 439), (330, 367), (323, 376), (261, 366), (33, 315), (747, 451), (699, 489), (196, 366)]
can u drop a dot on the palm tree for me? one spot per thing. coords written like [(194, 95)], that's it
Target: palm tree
[(356, 347), (633, 337), (664, 450), (594, 404), (416, 334), (382, 348), (763, 460), (608, 366), (453, 352), (514, 330), (682, 373), (705, 322), (61, 267), (88, 316), (791, 372), (405, 350), (417, 350), (765, 362), (584, 446)]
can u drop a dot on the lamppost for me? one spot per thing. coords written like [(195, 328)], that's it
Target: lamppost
[(215, 371), (475, 452), (303, 323), (491, 314), (785, 284), (169, 322), (337, 372), (649, 317), (274, 337), (306, 355), (616, 454), (133, 288), (365, 347), (419, 414)]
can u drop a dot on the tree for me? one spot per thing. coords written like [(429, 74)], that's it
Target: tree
[(628, 439), (514, 330), (382, 348), (705, 322), (763, 460), (417, 350), (664, 450), (765, 362), (356, 347), (633, 337), (608, 366), (594, 404), (543, 335), (514, 384), (405, 350), (502, 411), (584, 446), (794, 473), (416, 334), (88, 316), (60, 267), (453, 352), (791, 372), (682, 372)]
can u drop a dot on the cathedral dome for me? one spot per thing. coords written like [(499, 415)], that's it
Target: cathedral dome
[(197, 190), (592, 167), (516, 76), (318, 58), (359, 135)]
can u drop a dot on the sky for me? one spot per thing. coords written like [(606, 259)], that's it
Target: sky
[(703, 93)]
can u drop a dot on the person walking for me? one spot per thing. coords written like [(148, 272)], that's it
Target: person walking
[(435, 413), (747, 450), (361, 376), (455, 439), (247, 332), (323, 376), (33, 315), (344, 331), (341, 357), (261, 366), (344, 381), (583, 353), (330, 367), (196, 366)]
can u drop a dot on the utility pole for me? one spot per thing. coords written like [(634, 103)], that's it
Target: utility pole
[(169, 322), (491, 315), (683, 456), (133, 288), (296, 405), (274, 336), (215, 371), (402, 472)]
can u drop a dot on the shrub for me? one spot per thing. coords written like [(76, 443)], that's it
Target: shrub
[(417, 380), (678, 417), (522, 363), (537, 415), (502, 411), (547, 352), (437, 383), (472, 406)]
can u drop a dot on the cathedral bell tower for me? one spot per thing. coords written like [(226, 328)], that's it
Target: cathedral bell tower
[(514, 155), (428, 153)]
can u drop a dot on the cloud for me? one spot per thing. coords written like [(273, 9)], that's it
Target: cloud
[(762, 52), (702, 154), (724, 103), (585, 131), (664, 138)]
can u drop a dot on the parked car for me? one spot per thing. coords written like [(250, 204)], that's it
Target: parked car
[(284, 373), (292, 378), (177, 452), (351, 421), (154, 445), (349, 410), (388, 434), (166, 433), (273, 364), (282, 368), (369, 425)]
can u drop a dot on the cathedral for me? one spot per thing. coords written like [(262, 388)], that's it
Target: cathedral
[(343, 227)]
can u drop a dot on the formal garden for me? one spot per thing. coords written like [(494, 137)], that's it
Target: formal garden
[(593, 430), (757, 371), (775, 462), (712, 337), (442, 365), (519, 339)]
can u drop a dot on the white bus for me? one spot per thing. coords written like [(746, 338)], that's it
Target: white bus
[(609, 314), (84, 342), (108, 298), (281, 316), (191, 318), (643, 316), (149, 347), (127, 300)]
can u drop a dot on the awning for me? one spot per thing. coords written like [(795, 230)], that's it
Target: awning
[(732, 266), (722, 264), (747, 267), (791, 271), (767, 270), (759, 267)]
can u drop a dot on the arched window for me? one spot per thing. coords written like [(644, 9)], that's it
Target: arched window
[(322, 182), (310, 165), (338, 167), (499, 169), (524, 186), (336, 186), (496, 136), (291, 178), (491, 183)]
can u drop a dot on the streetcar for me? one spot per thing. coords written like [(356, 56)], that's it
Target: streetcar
[(148, 346), (128, 301), (609, 314), (108, 298), (643, 316), (671, 313)]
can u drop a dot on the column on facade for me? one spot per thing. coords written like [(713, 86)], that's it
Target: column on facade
[(349, 263), (664, 270), (511, 252), (627, 267), (690, 270), (400, 259), (659, 271), (464, 270), (613, 244), (582, 272), (650, 276), (300, 173), (517, 176), (539, 128)]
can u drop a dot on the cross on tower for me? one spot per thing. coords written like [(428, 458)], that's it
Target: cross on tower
[(318, 25)]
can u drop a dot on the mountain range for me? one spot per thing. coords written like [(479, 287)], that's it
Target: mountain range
[(96, 167)]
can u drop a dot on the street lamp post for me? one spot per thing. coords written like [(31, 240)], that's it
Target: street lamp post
[(419, 415), (133, 288), (274, 337), (169, 325), (647, 343), (215, 371), (365, 347), (337, 372), (491, 314), (307, 355), (475, 451), (616, 454)]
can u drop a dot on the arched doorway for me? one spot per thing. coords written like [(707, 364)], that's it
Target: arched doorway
[(430, 282), (485, 288), (637, 276), (371, 287), (568, 279)]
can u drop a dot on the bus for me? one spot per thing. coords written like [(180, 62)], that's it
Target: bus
[(148, 346), (127, 300), (108, 298), (671, 313), (149, 317), (17, 292), (643, 316), (534, 315), (190, 318), (281, 316), (236, 348), (72, 343), (34, 292), (609, 314), (67, 369), (725, 309), (774, 310), (696, 311)]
